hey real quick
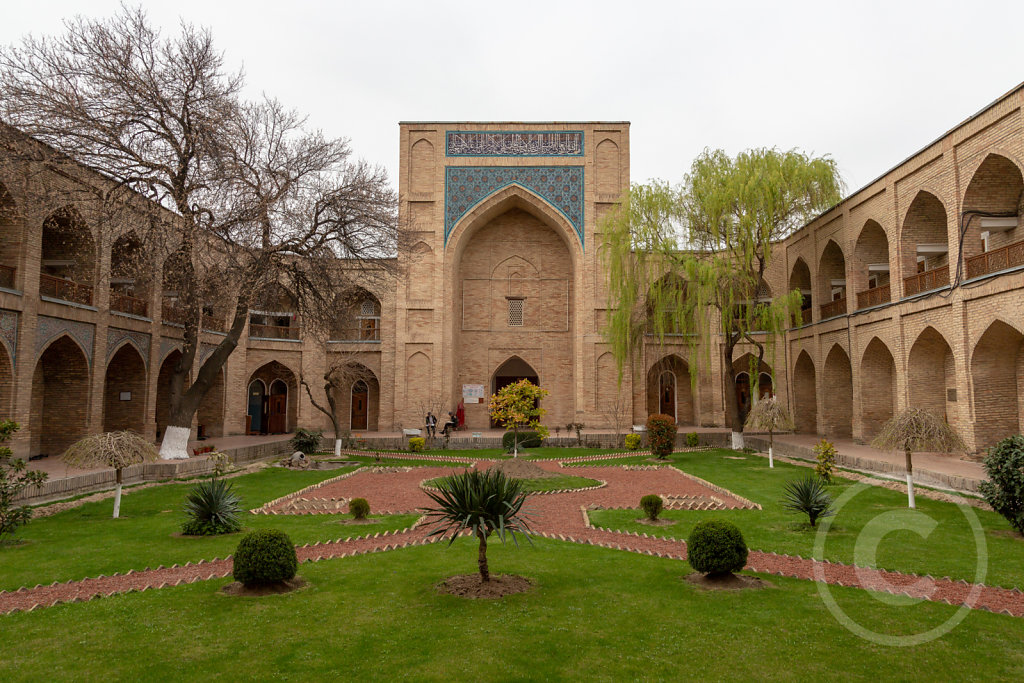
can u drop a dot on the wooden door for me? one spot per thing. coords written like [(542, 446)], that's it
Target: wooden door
[(668, 395), (276, 421), (360, 399)]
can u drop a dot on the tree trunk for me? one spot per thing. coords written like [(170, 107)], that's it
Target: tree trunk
[(771, 459), (515, 441), (910, 481), (337, 446), (485, 574), (732, 406), (117, 495), (185, 403)]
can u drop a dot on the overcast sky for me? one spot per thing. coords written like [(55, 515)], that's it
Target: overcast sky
[(867, 82)]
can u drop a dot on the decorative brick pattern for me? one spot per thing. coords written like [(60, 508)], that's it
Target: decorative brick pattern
[(48, 329), (140, 340)]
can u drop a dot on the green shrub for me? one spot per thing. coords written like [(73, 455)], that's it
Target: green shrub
[(1004, 490), (306, 440), (808, 496), (14, 478), (691, 440), (416, 444), (359, 508), (211, 508), (661, 433), (633, 442), (716, 547), (825, 454), (527, 439), (652, 506), (265, 556)]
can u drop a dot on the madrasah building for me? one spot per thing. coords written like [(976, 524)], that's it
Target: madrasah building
[(913, 295)]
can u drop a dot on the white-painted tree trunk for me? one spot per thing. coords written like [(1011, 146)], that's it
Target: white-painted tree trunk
[(737, 441), (117, 501), (910, 491), (175, 443), (337, 448), (771, 459)]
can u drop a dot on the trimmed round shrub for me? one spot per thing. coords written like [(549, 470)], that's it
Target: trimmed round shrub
[(265, 556), (661, 434), (359, 508), (692, 440), (633, 442), (527, 439), (652, 506), (416, 444), (1004, 490), (716, 547)]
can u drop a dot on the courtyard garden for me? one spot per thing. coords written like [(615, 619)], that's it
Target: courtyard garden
[(590, 611)]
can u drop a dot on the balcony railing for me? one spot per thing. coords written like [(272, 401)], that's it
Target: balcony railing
[(7, 277), (929, 279), (65, 290), (874, 297), (274, 331), (998, 259), (211, 323), (172, 313), (356, 334), (833, 308), (128, 304)]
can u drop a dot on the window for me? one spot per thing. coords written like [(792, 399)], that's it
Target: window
[(369, 321), (515, 312)]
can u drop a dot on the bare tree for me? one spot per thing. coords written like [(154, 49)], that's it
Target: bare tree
[(616, 409), (258, 202), (343, 371)]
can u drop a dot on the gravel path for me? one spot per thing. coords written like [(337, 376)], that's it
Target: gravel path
[(559, 516)]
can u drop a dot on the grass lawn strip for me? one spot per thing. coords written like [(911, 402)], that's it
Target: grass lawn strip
[(593, 615), (560, 484), (778, 530), (85, 541)]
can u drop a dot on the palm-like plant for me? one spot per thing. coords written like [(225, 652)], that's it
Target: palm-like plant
[(482, 502), (770, 415), (917, 429), (808, 496), (212, 507)]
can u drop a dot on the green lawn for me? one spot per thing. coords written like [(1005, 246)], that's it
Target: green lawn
[(949, 550), (595, 614), (543, 453), (562, 481), (85, 541)]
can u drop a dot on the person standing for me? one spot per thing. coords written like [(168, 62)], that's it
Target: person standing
[(460, 414)]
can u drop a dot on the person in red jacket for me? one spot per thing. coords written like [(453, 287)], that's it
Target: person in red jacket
[(460, 414)]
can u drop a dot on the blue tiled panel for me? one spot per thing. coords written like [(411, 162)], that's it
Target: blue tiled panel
[(560, 186)]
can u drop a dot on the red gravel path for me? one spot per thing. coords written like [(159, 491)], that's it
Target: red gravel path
[(554, 516)]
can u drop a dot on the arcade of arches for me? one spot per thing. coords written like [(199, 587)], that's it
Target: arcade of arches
[(913, 294)]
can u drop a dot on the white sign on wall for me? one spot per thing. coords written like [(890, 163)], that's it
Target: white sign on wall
[(472, 393)]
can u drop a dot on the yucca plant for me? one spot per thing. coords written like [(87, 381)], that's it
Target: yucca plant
[(211, 508), (810, 497), (482, 502)]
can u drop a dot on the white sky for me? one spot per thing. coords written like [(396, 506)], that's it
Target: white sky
[(867, 82)]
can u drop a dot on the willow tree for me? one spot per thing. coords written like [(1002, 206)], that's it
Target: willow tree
[(689, 260)]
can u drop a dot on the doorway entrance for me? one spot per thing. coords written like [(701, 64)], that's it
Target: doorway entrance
[(510, 372), (256, 406), (360, 402), (277, 413), (667, 394)]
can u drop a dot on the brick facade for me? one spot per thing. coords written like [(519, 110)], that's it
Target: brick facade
[(913, 287)]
